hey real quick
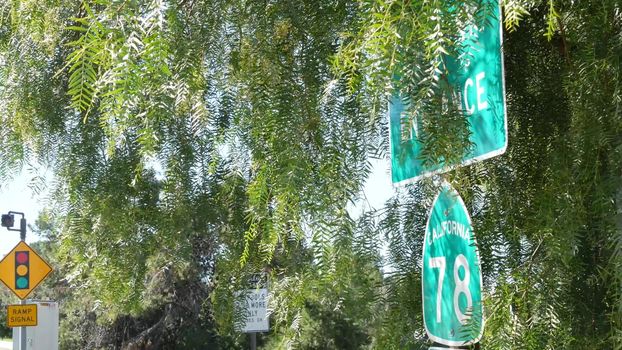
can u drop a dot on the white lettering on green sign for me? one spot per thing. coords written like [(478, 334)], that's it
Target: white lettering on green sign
[(476, 79)]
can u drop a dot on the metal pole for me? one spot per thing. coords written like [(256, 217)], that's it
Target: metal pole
[(253, 341), (22, 229), (22, 330), (22, 333)]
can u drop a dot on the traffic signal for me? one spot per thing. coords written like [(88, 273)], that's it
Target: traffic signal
[(7, 221), (22, 269)]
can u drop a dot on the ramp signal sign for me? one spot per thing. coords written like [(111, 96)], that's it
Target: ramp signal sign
[(23, 315)]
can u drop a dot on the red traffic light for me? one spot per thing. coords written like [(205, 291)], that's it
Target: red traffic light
[(21, 257)]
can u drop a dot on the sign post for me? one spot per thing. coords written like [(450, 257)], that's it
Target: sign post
[(451, 278), (253, 303), (22, 270), (477, 79)]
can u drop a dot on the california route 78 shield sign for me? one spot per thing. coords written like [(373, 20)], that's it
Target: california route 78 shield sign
[(452, 278)]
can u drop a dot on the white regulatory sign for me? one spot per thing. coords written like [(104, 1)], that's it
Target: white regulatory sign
[(254, 304)]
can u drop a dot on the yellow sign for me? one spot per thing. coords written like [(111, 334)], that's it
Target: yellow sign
[(21, 315), (23, 269)]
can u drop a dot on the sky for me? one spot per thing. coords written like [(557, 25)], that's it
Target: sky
[(17, 196), (378, 188)]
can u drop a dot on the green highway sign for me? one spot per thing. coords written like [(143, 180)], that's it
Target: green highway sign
[(476, 77), (451, 277)]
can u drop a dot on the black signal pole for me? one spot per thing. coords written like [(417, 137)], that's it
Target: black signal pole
[(8, 221)]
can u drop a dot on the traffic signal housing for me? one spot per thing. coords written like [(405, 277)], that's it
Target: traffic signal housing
[(7, 221), (22, 269)]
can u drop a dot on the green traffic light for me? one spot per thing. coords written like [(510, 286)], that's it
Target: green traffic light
[(21, 283)]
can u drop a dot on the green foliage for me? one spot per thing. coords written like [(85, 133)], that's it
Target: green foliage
[(194, 143)]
